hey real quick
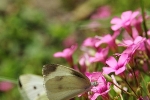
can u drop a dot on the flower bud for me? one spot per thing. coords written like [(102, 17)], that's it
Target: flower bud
[(138, 91), (116, 98), (108, 78), (148, 87), (117, 90)]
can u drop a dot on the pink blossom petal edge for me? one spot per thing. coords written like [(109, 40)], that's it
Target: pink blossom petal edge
[(138, 39), (134, 14), (58, 54), (115, 20), (123, 59), (126, 15), (107, 70), (111, 61), (94, 96), (120, 70), (117, 23)]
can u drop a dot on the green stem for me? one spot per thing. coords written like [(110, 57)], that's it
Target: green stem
[(121, 97), (8, 80), (136, 81), (144, 82), (130, 87), (122, 89), (143, 16)]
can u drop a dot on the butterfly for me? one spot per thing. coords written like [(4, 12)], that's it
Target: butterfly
[(60, 83), (31, 87)]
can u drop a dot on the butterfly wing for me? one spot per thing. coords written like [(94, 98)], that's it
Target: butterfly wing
[(31, 87), (63, 83)]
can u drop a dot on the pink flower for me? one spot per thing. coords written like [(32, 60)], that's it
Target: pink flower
[(84, 62), (138, 39), (137, 23), (89, 51), (100, 86), (5, 86), (114, 66), (100, 55), (148, 32), (90, 42), (108, 39), (132, 46), (67, 53), (125, 20), (131, 50), (127, 36), (102, 12)]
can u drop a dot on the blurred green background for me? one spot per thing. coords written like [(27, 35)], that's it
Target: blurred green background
[(31, 31)]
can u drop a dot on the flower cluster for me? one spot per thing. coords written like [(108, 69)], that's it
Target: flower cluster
[(125, 54)]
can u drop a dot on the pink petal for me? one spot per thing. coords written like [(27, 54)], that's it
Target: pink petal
[(116, 27), (134, 14), (120, 70), (98, 43), (116, 20), (89, 75), (100, 56), (96, 75), (107, 70), (116, 33), (126, 15), (5, 86), (138, 39), (131, 49), (94, 96), (126, 36), (105, 39), (134, 33), (88, 42), (105, 51), (92, 59), (58, 54), (105, 92), (111, 61), (128, 42), (68, 51), (123, 59), (73, 48)]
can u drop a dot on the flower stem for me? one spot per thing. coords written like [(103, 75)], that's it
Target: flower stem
[(130, 86), (143, 16), (121, 97), (136, 81), (122, 89)]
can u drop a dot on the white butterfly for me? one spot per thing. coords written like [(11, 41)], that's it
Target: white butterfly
[(31, 87), (61, 83)]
